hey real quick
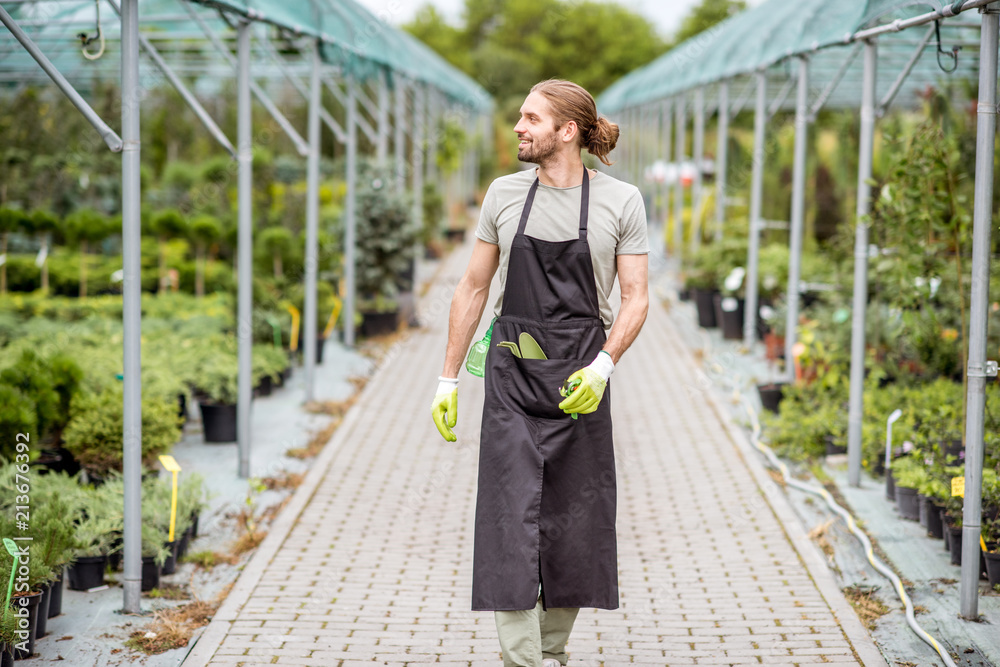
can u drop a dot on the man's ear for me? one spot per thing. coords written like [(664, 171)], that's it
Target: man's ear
[(569, 131)]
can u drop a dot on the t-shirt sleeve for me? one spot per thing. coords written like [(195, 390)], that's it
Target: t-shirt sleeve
[(486, 230), (633, 240)]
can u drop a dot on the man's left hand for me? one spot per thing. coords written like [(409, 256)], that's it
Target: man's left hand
[(593, 380)]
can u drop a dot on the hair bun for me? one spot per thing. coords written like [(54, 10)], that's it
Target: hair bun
[(601, 138)]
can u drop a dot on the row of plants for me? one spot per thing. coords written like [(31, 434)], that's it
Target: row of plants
[(75, 529), (189, 352)]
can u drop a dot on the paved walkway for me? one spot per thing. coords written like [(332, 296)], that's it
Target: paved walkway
[(371, 561)]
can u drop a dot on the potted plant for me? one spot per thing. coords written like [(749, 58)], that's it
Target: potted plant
[(10, 636), (217, 391), (94, 432), (154, 555), (191, 502), (386, 238), (55, 542), (908, 474), (268, 367)]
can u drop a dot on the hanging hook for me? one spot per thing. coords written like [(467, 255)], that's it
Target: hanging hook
[(941, 52), (99, 37)]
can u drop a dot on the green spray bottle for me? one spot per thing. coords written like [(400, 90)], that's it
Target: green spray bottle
[(476, 361)]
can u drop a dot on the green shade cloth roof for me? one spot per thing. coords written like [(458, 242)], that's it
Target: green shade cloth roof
[(770, 34), (352, 38)]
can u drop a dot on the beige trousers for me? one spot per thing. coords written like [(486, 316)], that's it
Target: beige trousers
[(530, 636)]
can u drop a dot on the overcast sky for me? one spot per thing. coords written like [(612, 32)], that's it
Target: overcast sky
[(666, 14)]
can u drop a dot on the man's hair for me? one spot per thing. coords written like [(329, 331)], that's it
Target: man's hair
[(571, 102)]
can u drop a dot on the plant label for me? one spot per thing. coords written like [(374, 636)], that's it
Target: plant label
[(958, 486)]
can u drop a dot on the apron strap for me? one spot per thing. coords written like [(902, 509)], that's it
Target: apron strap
[(527, 207), (584, 205)]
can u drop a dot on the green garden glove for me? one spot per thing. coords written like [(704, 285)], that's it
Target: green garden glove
[(593, 379), (444, 408)]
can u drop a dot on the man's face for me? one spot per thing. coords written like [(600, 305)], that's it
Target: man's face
[(536, 130)]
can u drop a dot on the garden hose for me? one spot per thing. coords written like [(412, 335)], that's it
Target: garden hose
[(774, 462)]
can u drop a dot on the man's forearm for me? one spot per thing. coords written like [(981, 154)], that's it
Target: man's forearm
[(627, 326), (466, 311)]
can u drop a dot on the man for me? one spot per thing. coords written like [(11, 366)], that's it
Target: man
[(545, 541)]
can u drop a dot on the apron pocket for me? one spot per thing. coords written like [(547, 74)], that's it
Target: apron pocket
[(531, 386)]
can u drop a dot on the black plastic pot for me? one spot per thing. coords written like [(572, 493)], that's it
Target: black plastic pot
[(955, 532), (43, 612), (194, 524), (922, 504), (379, 324), (684, 294), (263, 387), (993, 568), (182, 406), (183, 542), (907, 503), (771, 395), (933, 519), (319, 347), (31, 602), (729, 313), (704, 302), (7, 656), (87, 572), (170, 565), (832, 448), (455, 235), (218, 422), (55, 595), (150, 573), (944, 530)]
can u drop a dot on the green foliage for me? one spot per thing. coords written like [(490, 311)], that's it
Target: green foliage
[(268, 361), (43, 221), (205, 228), (908, 472), (810, 413), (34, 378), (87, 225), (52, 526), (706, 15), (168, 223), (16, 416), (94, 432), (217, 378), (385, 234), (12, 220), (510, 46)]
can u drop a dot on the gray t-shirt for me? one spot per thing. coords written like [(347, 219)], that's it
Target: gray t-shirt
[(616, 224)]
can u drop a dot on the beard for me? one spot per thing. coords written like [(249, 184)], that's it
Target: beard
[(539, 150)]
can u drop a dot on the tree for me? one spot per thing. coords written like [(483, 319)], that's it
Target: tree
[(11, 219), (705, 15), (203, 230), (81, 228), (509, 45), (277, 242), (43, 223), (167, 224)]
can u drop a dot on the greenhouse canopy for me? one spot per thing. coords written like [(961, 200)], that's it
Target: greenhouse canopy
[(767, 37)]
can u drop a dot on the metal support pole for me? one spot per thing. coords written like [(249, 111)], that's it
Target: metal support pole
[(679, 111), (431, 133), (132, 310), (382, 144), (854, 415), (349, 211), (312, 223), (721, 159), (699, 157), (978, 369), (887, 99), (244, 314), (399, 143), (667, 113), (109, 136), (417, 159), (756, 223), (797, 215)]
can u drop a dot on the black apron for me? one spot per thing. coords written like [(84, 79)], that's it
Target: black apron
[(545, 512)]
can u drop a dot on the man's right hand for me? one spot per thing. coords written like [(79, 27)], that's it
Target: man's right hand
[(444, 408)]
